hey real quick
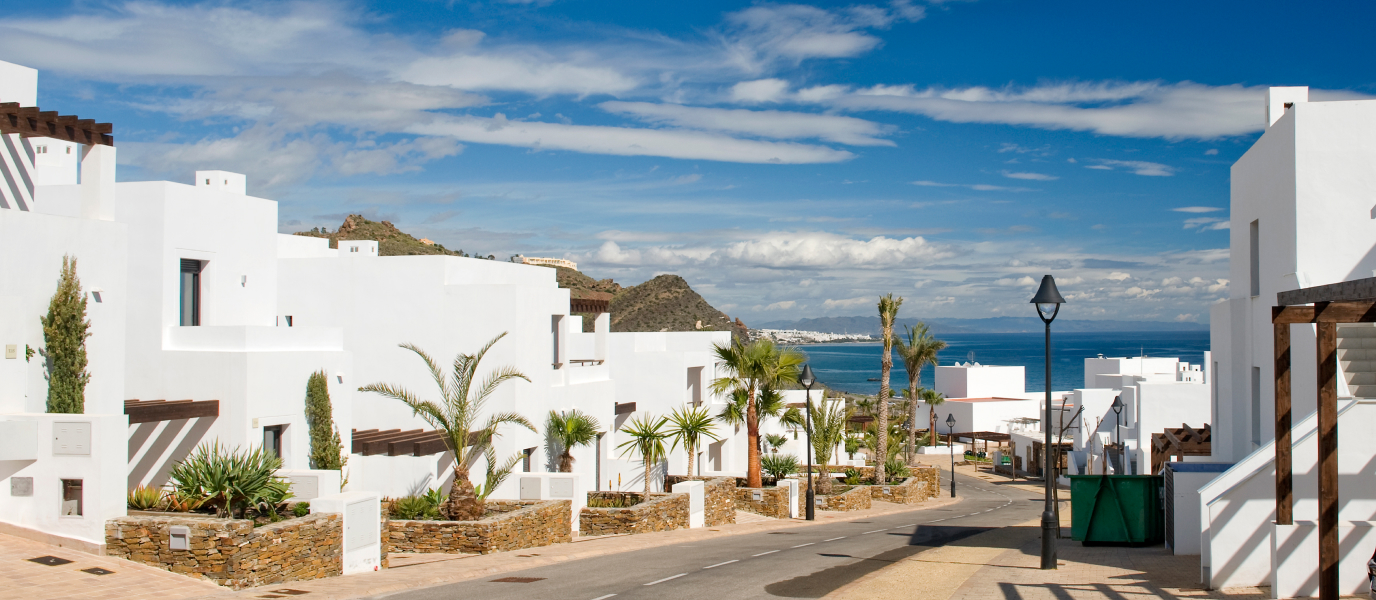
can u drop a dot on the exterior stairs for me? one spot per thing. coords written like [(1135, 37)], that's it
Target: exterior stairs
[(1357, 358)]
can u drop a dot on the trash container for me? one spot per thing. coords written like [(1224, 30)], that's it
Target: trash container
[(1117, 509)]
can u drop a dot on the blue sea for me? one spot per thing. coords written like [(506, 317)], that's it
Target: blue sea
[(848, 367)]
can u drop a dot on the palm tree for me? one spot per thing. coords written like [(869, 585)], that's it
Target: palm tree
[(918, 351), (647, 440), (689, 425), (456, 416), (776, 441), (570, 429), (828, 430), (888, 311), (749, 368), (932, 399)]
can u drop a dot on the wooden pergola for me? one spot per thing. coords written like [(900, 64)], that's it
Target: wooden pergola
[(1179, 442), (155, 411), (31, 121), (1327, 307)]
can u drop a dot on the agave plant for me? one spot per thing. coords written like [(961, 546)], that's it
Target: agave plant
[(145, 498), (415, 508), (779, 465), (895, 468), (230, 480)]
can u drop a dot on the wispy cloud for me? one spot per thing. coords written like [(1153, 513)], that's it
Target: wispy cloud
[(1031, 176), (1197, 209), (763, 123), (1137, 167), (979, 187)]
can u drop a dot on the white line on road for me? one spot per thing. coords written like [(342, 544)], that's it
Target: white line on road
[(667, 579), (908, 525), (875, 531), (604, 597), (807, 544), (764, 553), (834, 539), (723, 563)]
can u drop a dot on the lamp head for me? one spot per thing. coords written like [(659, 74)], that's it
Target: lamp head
[(1048, 299), (806, 379), (950, 420), (1118, 404)]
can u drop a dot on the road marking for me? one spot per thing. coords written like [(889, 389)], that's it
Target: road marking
[(604, 597), (764, 553), (834, 539), (875, 531), (908, 525), (667, 579), (807, 544), (724, 563)]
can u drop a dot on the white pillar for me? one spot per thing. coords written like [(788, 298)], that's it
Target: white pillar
[(98, 182)]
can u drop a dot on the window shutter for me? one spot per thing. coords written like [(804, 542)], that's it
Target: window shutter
[(191, 266)]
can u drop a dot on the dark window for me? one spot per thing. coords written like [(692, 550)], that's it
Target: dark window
[(525, 459), (71, 497), (272, 440), (191, 292), (1255, 239)]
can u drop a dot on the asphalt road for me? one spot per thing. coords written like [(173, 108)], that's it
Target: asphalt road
[(805, 562)]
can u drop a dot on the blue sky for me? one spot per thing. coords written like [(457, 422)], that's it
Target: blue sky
[(789, 160)]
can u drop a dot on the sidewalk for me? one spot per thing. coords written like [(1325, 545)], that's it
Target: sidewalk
[(1005, 563), (21, 578), (411, 571)]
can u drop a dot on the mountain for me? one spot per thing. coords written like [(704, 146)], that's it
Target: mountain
[(870, 325), (390, 240)]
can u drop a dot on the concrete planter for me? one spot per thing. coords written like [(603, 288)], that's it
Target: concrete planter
[(659, 512), (856, 498)]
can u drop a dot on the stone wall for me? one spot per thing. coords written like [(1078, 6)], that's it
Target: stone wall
[(231, 552), (772, 502), (856, 498), (509, 525), (928, 476), (719, 498), (909, 491), (659, 512)]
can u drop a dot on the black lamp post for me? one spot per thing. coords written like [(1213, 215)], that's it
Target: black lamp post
[(1117, 428), (1048, 301), (951, 445), (806, 379)]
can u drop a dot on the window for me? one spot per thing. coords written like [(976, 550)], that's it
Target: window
[(272, 439), (1255, 238), (1256, 406), (525, 459), (71, 497), (191, 293)]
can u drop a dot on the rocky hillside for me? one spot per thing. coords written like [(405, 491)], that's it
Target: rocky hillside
[(390, 240)]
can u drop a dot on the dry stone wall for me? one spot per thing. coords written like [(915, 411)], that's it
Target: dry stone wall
[(930, 480), (856, 498), (510, 525), (908, 491), (771, 501), (719, 498), (231, 552), (658, 512)]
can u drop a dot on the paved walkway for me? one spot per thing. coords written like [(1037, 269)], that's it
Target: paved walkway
[(21, 578)]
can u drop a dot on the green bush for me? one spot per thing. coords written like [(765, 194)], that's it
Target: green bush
[(895, 468), (231, 481), (145, 498), (415, 508), (779, 465), (852, 476), (327, 451), (301, 509), (65, 329)]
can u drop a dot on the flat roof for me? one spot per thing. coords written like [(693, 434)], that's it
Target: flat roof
[(986, 399)]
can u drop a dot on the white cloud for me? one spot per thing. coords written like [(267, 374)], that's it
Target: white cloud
[(783, 305), (626, 141), (979, 187), (1197, 209), (764, 123), (1138, 167), (1211, 152), (787, 250), (1031, 176), (536, 73), (686, 179), (847, 302), (1024, 281), (760, 90), (771, 33), (1118, 276), (1131, 109), (1207, 224)]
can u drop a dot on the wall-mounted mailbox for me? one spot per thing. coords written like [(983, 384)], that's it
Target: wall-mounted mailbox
[(11, 351), (530, 488), (179, 538), (560, 487), (72, 438)]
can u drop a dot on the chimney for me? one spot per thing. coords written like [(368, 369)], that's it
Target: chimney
[(1278, 99)]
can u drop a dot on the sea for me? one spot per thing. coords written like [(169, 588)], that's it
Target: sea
[(849, 367)]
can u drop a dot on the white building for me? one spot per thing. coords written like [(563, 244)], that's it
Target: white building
[(194, 296), (1301, 216)]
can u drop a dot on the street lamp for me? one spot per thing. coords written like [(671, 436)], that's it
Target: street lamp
[(1048, 300), (807, 380), (951, 444), (1117, 431)]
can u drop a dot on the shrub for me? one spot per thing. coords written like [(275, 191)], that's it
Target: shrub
[(895, 468), (301, 509), (852, 476), (144, 498), (613, 500), (231, 481), (417, 508), (327, 451), (65, 330), (779, 465)]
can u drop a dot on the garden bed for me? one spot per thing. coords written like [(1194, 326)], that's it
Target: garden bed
[(842, 498), (658, 512), (233, 552), (907, 491), (718, 497), (507, 525), (771, 501)]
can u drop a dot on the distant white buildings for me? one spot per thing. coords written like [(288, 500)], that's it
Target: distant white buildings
[(196, 301), (547, 262), (793, 336)]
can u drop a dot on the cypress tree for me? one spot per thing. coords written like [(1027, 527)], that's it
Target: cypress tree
[(326, 447), (65, 329)]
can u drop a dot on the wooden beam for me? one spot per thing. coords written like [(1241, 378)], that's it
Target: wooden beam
[(625, 408), (378, 445), (1343, 291), (1285, 476), (156, 411), (1327, 334), (1363, 311), (29, 121)]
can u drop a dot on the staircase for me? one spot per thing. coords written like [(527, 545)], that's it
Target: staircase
[(1357, 358)]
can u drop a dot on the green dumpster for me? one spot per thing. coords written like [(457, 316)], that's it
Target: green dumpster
[(1117, 509)]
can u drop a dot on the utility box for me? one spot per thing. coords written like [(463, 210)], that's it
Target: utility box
[(1117, 509), (1183, 480), (362, 514)]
